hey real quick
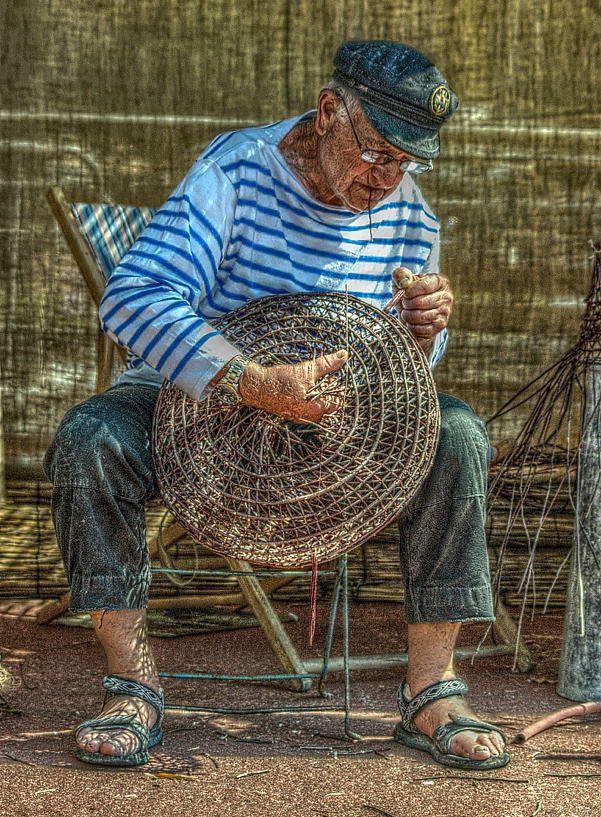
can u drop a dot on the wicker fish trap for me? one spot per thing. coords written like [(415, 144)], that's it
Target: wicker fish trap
[(249, 485)]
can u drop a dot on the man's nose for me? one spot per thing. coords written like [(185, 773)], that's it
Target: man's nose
[(386, 174)]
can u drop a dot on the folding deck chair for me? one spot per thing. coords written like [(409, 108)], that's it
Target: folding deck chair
[(98, 236)]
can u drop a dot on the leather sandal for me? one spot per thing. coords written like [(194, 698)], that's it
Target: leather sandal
[(439, 745), (147, 738)]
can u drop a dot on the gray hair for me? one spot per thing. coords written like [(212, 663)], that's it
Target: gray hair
[(352, 101)]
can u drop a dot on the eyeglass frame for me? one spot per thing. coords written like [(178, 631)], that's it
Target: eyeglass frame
[(371, 156)]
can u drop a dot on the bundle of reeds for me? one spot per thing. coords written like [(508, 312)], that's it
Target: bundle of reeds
[(534, 489)]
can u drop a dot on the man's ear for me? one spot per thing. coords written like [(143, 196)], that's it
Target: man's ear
[(327, 111)]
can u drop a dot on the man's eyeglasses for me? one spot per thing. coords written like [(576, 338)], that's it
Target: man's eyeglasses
[(376, 157)]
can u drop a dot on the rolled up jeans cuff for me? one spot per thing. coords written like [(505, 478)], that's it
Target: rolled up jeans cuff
[(94, 592), (444, 604)]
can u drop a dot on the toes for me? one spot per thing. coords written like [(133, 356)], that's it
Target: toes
[(110, 747), (120, 743), (498, 742), (92, 741), (112, 741), (477, 745), (480, 752), (493, 741)]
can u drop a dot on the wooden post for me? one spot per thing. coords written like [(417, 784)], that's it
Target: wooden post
[(580, 661)]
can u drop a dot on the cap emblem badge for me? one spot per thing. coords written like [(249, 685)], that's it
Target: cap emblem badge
[(440, 99)]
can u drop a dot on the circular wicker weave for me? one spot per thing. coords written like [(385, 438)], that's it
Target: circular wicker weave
[(251, 486)]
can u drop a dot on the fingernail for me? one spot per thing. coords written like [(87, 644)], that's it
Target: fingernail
[(340, 354)]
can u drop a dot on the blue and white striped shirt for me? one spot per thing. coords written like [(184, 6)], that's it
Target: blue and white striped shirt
[(242, 226)]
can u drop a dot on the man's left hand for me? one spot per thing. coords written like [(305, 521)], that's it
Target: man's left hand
[(426, 305)]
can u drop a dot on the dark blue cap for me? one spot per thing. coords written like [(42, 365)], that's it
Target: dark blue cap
[(404, 96)]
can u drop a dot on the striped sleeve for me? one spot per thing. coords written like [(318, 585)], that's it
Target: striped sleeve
[(151, 302)]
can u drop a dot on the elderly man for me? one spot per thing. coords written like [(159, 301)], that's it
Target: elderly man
[(317, 203)]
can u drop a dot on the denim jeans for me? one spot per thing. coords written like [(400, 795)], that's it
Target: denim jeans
[(100, 464)]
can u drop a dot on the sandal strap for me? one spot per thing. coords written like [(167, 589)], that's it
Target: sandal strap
[(410, 707), (123, 723), (116, 686), (446, 732)]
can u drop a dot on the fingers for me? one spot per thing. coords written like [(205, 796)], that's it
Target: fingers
[(330, 402), (424, 285), (425, 323), (299, 391), (426, 305), (326, 364), (402, 277), (415, 316), (314, 410)]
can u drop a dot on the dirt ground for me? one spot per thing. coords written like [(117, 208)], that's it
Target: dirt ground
[(296, 764)]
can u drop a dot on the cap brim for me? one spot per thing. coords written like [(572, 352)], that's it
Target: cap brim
[(418, 142)]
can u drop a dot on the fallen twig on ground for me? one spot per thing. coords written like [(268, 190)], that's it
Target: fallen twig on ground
[(376, 808), (247, 774)]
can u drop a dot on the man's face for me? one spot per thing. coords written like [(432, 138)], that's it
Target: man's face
[(355, 183)]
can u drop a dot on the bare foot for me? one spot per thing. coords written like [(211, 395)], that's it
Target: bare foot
[(124, 637), (475, 745), (115, 741)]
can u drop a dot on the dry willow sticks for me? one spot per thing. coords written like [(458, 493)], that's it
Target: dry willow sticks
[(540, 469)]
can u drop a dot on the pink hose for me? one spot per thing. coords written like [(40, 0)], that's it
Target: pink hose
[(555, 717)]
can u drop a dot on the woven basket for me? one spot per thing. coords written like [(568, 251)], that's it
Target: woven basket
[(251, 486)]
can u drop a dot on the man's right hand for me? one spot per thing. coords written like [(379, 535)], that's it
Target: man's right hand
[(285, 389)]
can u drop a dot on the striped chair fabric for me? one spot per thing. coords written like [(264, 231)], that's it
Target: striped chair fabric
[(111, 230)]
